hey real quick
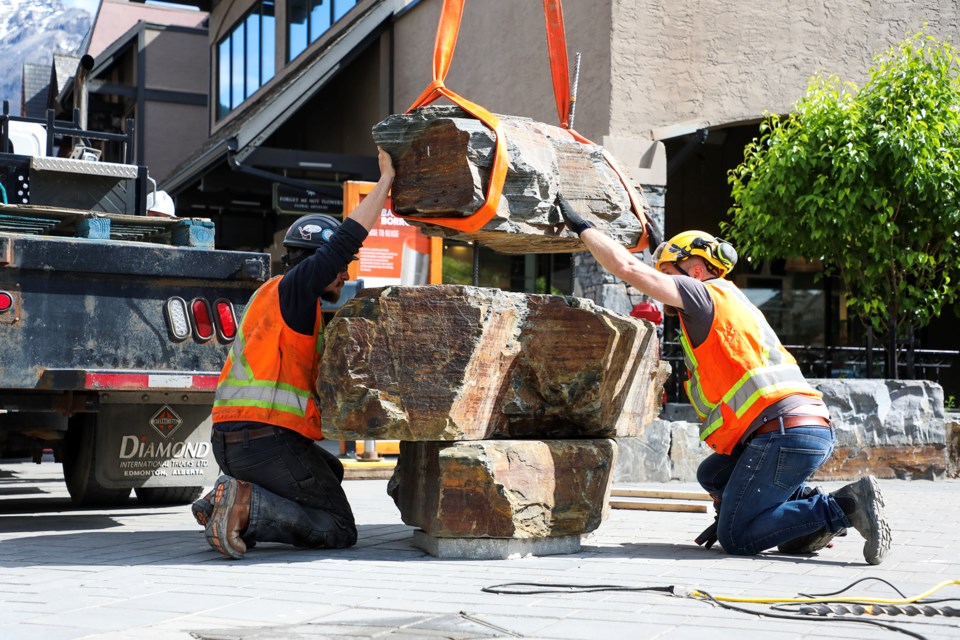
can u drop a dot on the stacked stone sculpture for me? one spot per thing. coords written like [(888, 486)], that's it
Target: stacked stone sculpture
[(506, 406)]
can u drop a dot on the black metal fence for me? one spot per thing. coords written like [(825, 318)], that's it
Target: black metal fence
[(838, 362)]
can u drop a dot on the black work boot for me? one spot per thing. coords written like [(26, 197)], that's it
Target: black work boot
[(862, 503), (811, 542), (230, 517)]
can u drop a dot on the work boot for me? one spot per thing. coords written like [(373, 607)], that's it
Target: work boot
[(811, 542), (862, 503), (230, 517), (202, 509)]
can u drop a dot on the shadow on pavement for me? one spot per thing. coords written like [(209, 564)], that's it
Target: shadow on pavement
[(112, 545), (662, 551)]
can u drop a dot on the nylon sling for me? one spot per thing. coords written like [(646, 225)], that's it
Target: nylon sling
[(448, 30)]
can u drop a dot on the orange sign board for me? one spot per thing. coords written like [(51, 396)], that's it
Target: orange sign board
[(395, 252)]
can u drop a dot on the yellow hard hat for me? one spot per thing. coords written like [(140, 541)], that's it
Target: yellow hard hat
[(718, 253)]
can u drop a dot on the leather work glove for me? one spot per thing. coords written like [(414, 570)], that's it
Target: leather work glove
[(573, 219)]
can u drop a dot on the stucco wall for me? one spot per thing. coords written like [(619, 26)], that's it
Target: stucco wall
[(177, 60), (172, 132), (722, 61), (501, 58)]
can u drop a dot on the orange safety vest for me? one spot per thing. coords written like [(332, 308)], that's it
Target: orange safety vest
[(739, 370), (271, 371)]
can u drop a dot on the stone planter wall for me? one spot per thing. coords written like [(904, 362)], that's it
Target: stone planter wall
[(887, 428)]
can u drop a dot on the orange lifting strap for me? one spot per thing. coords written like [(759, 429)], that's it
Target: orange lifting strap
[(447, 32)]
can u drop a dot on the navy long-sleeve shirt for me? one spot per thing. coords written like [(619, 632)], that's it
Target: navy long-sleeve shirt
[(301, 286)]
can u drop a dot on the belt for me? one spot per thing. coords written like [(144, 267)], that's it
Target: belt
[(791, 421), (233, 437)]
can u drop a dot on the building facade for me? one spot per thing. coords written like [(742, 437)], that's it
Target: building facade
[(674, 90)]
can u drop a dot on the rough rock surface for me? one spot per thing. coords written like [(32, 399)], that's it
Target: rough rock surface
[(887, 428), (443, 158), (504, 488), (446, 362)]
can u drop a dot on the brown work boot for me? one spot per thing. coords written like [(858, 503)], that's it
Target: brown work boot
[(231, 514), (202, 509)]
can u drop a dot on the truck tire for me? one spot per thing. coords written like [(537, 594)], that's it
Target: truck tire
[(167, 495), (79, 466)]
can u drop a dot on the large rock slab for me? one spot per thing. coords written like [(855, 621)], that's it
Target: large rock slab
[(443, 158), (448, 362), (504, 488), (888, 428)]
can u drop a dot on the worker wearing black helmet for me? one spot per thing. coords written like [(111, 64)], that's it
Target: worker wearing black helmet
[(768, 428), (279, 484)]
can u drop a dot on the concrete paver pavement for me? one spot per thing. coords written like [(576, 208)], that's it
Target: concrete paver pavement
[(148, 574)]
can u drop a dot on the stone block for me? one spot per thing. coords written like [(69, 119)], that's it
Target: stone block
[(494, 548), (887, 428), (953, 444), (504, 488), (442, 363), (443, 158)]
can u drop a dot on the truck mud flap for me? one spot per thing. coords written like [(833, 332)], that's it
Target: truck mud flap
[(154, 445)]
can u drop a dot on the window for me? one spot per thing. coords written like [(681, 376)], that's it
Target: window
[(245, 58), (307, 20)]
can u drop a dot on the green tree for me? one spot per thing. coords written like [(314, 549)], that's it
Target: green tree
[(866, 181)]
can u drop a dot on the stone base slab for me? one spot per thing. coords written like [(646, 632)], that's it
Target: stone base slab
[(494, 548), (520, 489)]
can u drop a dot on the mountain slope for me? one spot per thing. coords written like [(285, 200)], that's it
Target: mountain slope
[(32, 31)]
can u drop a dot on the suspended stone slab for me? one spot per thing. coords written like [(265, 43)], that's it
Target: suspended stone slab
[(515, 489), (449, 362), (443, 158)]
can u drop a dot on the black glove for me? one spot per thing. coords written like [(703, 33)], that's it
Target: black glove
[(574, 222), (709, 536)]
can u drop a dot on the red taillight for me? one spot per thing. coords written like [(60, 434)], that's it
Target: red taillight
[(226, 320), (6, 302), (202, 323)]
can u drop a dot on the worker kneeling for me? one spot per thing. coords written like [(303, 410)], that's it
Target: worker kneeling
[(280, 485), (768, 428)]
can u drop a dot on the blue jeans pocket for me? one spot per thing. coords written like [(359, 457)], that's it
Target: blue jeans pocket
[(795, 465)]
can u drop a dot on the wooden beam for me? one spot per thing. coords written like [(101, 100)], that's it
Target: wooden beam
[(660, 493), (658, 506)]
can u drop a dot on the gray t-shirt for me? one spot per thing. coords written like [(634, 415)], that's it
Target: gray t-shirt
[(697, 315)]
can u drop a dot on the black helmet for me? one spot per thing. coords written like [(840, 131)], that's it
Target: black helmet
[(311, 231)]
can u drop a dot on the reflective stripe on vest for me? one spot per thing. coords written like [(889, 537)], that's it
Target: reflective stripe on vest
[(752, 386), (774, 375), (239, 386)]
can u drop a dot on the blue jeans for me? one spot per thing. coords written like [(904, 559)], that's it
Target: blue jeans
[(757, 483), (296, 493)]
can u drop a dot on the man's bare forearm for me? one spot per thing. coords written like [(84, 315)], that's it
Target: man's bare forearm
[(620, 262)]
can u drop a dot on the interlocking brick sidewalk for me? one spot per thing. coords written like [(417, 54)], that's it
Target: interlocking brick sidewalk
[(148, 574)]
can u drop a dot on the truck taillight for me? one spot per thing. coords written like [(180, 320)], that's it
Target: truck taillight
[(226, 320), (178, 318), (202, 322), (6, 302)]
